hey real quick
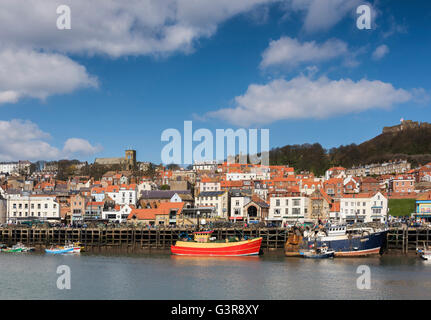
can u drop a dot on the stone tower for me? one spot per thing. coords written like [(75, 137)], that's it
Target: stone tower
[(130, 159)]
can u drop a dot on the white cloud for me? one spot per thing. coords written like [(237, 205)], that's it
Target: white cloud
[(322, 15), (33, 61), (117, 27), (380, 52), (302, 97), (81, 146), (24, 140), (290, 52), (25, 73)]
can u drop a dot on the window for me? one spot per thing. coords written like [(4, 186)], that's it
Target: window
[(296, 202), (296, 211), (277, 202), (287, 202), (277, 212)]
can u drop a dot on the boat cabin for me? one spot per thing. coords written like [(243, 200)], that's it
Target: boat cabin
[(337, 230), (202, 236)]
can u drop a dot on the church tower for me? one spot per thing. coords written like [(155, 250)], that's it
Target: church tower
[(130, 159)]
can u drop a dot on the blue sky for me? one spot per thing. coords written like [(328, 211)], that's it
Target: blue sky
[(130, 92)]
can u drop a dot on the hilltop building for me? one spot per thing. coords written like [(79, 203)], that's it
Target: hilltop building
[(406, 124), (128, 162)]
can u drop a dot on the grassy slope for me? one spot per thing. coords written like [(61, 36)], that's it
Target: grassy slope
[(401, 207)]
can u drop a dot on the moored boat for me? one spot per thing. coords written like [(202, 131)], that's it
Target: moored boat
[(424, 254), (70, 247), (318, 253), (204, 246), (348, 242), (60, 250), (19, 247)]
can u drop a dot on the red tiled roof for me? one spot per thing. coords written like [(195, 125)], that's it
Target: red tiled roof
[(164, 208)]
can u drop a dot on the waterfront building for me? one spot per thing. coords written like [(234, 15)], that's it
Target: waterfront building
[(93, 210), (288, 208), (320, 205), (152, 198), (167, 213), (216, 199), (77, 207), (117, 214), (423, 206), (32, 207), (363, 207)]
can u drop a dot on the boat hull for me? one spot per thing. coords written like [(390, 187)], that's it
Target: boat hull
[(59, 251), (233, 249), (355, 246), (319, 256)]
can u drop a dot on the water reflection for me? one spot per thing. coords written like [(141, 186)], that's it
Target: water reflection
[(162, 276)]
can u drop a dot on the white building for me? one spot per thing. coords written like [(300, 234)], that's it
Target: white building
[(8, 167), (127, 194), (363, 207), (40, 207), (237, 206), (146, 185), (117, 215), (210, 165), (124, 194), (216, 199), (208, 185), (288, 209), (237, 176)]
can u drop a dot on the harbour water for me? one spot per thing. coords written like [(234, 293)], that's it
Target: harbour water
[(162, 276)]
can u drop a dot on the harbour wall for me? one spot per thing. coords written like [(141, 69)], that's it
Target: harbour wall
[(131, 239), (400, 240)]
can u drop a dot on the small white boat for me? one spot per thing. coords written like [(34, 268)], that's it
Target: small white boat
[(424, 254), (319, 253)]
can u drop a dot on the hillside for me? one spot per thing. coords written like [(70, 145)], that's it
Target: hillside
[(412, 144)]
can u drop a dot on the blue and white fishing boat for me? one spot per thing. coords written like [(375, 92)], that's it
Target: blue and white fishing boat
[(60, 250), (348, 242)]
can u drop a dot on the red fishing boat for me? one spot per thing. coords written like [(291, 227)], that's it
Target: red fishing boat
[(204, 245)]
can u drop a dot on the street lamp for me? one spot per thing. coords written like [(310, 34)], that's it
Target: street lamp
[(198, 213)]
